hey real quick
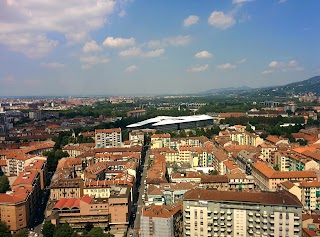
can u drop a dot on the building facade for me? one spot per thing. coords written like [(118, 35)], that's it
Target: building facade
[(227, 213)]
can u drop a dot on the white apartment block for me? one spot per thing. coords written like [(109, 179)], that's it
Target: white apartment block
[(108, 137), (230, 213)]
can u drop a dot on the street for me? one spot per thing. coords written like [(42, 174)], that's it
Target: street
[(141, 191)]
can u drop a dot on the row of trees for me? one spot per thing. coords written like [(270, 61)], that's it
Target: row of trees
[(64, 230)]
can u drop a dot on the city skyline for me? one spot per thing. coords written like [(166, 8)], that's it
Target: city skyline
[(105, 47)]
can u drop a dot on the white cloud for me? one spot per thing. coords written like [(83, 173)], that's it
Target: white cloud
[(277, 66), (203, 54), (119, 42), (241, 61), (180, 40), (90, 61), (91, 46), (226, 66), (198, 68), (190, 20), (74, 19), (132, 68), (221, 20), (153, 54), (241, 1), (53, 65), (33, 46), (134, 51), (267, 72)]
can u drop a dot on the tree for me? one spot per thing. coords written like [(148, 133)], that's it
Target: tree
[(22, 233), (48, 229), (4, 230), (213, 172), (88, 226), (96, 232), (63, 230), (4, 184)]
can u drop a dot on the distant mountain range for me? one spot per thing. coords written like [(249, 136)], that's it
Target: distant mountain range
[(300, 87)]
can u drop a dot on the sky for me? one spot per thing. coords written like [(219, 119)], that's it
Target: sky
[(145, 47)]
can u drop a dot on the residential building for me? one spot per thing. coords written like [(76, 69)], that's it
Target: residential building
[(108, 137), (160, 221), (268, 179), (229, 213)]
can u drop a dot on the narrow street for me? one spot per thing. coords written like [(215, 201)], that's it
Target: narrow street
[(140, 191)]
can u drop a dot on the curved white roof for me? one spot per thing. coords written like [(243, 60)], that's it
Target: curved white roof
[(166, 120)]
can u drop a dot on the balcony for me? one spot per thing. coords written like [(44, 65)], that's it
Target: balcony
[(265, 227), (222, 218), (216, 235), (188, 233), (271, 215), (229, 212), (210, 221), (187, 215), (215, 218), (229, 224), (209, 228), (257, 220), (229, 230), (188, 227), (265, 221), (215, 212), (215, 229), (258, 214), (250, 231), (250, 225), (296, 223), (250, 214), (229, 218), (187, 221), (222, 212), (296, 217), (296, 229), (215, 224), (265, 215), (250, 220)]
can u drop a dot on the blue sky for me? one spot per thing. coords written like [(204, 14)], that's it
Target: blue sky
[(124, 47)]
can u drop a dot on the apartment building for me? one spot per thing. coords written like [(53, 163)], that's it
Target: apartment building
[(17, 207), (246, 138), (108, 137), (228, 213), (268, 179), (159, 221), (160, 140), (136, 138), (293, 161), (266, 151), (66, 188)]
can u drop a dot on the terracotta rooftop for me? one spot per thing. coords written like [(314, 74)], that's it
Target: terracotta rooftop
[(161, 211), (270, 173), (108, 130), (288, 184), (282, 197), (164, 135)]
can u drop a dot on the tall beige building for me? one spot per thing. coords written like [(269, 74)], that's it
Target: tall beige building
[(108, 137), (229, 213)]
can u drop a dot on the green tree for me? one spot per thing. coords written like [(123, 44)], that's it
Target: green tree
[(4, 184), (4, 230), (48, 229), (63, 230), (213, 172), (96, 232), (22, 233)]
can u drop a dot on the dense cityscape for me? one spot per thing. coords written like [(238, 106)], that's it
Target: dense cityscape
[(159, 166), (139, 118)]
